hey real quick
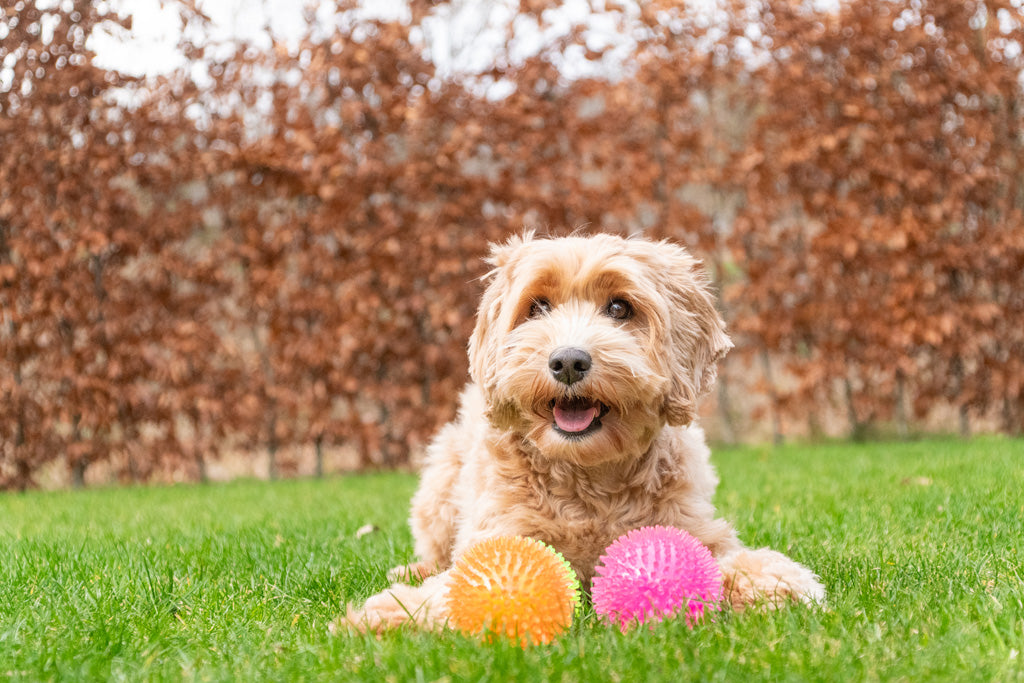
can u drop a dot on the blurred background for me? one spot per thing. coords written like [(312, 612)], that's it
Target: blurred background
[(242, 238)]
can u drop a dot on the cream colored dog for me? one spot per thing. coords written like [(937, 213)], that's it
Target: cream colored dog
[(588, 358)]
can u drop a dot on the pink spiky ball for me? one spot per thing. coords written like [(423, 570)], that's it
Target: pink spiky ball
[(653, 573)]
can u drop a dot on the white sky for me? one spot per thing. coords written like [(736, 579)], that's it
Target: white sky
[(152, 49), (463, 36)]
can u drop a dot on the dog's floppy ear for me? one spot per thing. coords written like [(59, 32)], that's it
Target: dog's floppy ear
[(696, 332), (487, 333)]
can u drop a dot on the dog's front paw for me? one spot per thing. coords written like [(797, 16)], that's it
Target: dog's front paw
[(424, 606), (768, 578), (417, 571), (378, 614)]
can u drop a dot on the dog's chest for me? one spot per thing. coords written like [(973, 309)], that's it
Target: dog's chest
[(581, 524)]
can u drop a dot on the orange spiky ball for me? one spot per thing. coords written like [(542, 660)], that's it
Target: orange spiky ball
[(513, 587)]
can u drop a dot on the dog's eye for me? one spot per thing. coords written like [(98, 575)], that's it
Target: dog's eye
[(619, 309), (539, 307)]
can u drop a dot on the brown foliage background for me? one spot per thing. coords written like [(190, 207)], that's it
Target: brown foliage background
[(281, 248)]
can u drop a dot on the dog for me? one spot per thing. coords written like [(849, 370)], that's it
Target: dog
[(587, 361)]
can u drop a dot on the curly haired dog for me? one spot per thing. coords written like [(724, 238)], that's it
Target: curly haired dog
[(587, 360)]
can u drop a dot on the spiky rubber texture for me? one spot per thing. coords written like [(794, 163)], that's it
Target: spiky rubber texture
[(513, 587), (655, 572)]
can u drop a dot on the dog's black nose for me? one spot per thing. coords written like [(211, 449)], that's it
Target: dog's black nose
[(569, 364)]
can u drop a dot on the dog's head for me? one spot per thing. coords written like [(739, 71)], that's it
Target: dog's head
[(587, 346)]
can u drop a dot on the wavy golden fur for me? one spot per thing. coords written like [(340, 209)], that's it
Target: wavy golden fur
[(577, 457)]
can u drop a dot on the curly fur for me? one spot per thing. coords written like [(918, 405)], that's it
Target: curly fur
[(503, 468)]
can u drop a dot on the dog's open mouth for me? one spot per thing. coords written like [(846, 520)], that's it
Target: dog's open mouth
[(577, 417)]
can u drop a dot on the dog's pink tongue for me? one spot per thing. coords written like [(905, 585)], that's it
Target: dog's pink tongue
[(575, 418)]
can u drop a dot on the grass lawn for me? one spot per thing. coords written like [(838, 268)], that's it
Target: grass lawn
[(920, 546)]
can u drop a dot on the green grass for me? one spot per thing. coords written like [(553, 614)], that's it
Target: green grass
[(919, 545)]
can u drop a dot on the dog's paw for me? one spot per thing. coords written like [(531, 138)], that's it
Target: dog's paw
[(767, 578), (378, 614), (423, 606), (416, 571)]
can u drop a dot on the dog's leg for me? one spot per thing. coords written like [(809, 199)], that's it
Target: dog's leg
[(768, 578), (424, 606), (435, 514)]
